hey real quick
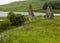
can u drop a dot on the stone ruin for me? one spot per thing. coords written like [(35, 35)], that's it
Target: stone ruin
[(31, 14), (49, 13)]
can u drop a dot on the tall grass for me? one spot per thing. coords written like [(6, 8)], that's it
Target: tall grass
[(37, 31)]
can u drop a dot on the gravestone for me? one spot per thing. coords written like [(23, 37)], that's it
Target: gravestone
[(31, 14), (49, 13)]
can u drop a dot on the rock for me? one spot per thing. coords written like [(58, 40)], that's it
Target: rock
[(49, 13), (31, 14)]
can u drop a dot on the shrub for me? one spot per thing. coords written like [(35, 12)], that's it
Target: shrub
[(11, 15), (4, 25), (54, 4), (16, 19), (45, 6)]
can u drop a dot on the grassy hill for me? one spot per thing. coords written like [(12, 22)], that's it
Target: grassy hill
[(15, 6), (37, 31), (23, 5)]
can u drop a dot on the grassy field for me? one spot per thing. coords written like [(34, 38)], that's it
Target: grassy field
[(37, 31)]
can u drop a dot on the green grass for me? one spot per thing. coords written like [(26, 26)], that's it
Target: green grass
[(37, 31), (3, 17)]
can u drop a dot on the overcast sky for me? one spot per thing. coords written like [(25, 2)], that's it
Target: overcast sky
[(2, 2)]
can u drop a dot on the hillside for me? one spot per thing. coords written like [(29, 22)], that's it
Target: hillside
[(37, 31), (15, 6), (23, 5), (20, 6)]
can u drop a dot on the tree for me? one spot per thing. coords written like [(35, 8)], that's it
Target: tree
[(54, 5)]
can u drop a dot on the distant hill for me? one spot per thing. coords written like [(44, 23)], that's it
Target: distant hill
[(15, 6), (23, 5)]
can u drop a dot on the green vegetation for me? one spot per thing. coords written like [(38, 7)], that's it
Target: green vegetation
[(22, 6), (4, 25), (16, 19), (55, 5), (12, 20), (17, 28), (37, 31)]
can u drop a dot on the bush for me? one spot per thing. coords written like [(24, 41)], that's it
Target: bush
[(4, 25), (16, 19), (54, 4), (45, 6)]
